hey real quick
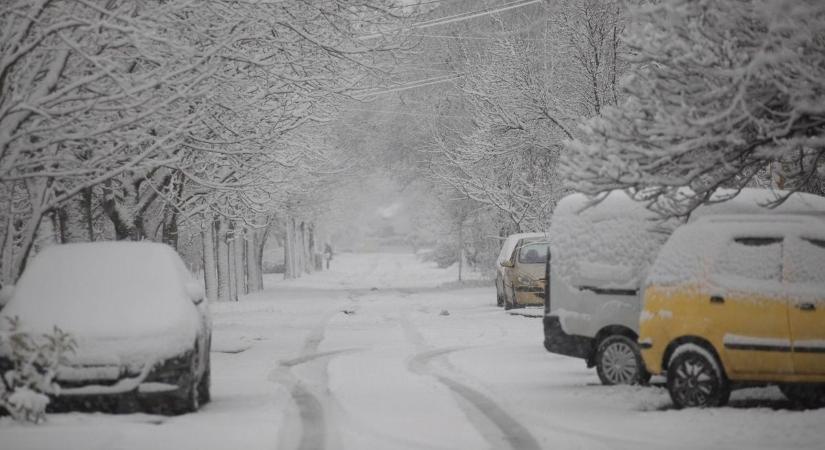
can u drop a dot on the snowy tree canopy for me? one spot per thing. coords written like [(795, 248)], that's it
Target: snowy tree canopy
[(526, 91), (717, 92), (142, 113)]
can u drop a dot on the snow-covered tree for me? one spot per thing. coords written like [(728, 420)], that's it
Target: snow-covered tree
[(526, 92), (120, 119), (718, 92)]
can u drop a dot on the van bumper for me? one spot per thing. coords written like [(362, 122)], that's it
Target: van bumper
[(557, 341)]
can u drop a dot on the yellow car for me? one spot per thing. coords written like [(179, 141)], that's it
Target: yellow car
[(737, 300), (524, 273)]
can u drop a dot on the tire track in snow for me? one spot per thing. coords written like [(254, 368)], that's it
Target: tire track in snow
[(310, 406), (509, 430)]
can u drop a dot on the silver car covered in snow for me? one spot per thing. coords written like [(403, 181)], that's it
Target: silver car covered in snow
[(138, 318)]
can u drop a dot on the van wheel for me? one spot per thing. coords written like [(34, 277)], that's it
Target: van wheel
[(695, 379), (499, 296), (618, 361), (806, 395)]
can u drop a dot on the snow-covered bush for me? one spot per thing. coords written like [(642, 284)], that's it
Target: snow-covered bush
[(28, 369)]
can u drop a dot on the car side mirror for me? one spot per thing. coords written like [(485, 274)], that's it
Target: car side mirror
[(195, 291), (507, 263)]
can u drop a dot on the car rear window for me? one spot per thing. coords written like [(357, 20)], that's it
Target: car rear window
[(534, 253)]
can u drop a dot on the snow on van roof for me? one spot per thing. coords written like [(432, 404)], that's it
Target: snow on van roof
[(747, 201), (105, 290), (693, 247), (614, 203), (619, 233), (759, 201)]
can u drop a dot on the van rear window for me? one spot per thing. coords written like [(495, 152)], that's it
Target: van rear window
[(757, 241)]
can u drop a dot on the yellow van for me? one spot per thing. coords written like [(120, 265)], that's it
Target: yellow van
[(737, 300)]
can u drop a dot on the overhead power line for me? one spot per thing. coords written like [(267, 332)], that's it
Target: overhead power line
[(411, 85), (461, 17), (474, 14), (405, 113)]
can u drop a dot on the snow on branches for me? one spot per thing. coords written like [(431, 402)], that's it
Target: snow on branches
[(28, 375), (120, 118), (717, 92)]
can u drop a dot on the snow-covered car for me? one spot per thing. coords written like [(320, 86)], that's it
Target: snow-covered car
[(601, 255), (738, 299), (507, 253), (139, 319)]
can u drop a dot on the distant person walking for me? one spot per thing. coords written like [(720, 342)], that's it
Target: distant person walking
[(328, 253)]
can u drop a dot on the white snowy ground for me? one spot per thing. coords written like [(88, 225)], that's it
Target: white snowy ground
[(372, 355)]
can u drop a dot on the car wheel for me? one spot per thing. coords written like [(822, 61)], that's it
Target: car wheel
[(499, 295), (189, 398), (618, 361), (806, 395), (695, 379), (204, 395), (510, 303)]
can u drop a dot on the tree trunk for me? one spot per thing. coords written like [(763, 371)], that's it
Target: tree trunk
[(460, 249), (7, 250), (233, 280), (259, 255), (291, 251), (253, 261), (87, 208), (223, 261), (240, 262), (170, 228), (210, 266)]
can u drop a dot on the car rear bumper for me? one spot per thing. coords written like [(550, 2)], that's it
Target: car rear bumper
[(557, 341)]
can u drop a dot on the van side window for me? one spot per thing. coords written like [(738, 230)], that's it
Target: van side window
[(817, 242), (806, 261), (754, 258), (756, 241)]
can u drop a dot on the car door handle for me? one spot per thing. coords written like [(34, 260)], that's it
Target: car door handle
[(717, 299), (806, 306)]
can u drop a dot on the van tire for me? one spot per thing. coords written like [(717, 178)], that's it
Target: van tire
[(695, 379), (619, 361), (805, 395)]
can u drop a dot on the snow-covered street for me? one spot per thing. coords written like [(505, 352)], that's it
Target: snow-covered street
[(385, 352)]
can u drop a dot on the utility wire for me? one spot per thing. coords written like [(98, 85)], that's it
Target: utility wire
[(403, 113), (474, 14), (479, 38), (461, 17), (411, 85)]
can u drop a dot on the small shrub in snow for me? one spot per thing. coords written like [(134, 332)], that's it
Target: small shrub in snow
[(27, 373)]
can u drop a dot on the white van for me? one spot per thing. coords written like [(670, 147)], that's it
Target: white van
[(601, 255)]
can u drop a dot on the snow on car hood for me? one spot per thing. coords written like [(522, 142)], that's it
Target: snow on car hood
[(120, 301), (133, 352)]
